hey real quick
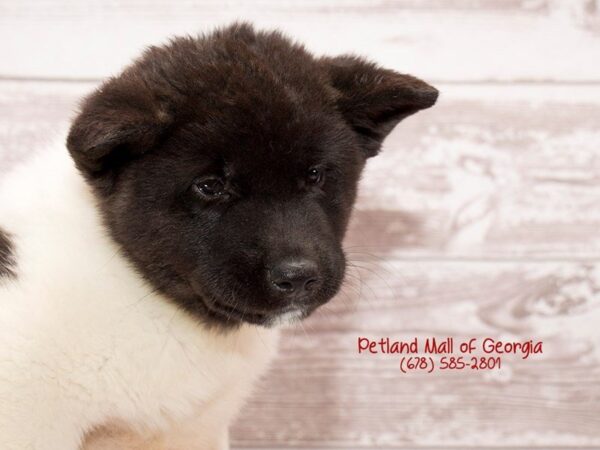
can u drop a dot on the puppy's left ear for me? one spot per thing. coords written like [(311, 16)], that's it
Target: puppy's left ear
[(373, 100)]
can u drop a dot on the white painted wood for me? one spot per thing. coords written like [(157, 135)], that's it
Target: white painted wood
[(460, 40), (489, 172)]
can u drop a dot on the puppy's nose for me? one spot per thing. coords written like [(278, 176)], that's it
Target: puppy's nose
[(294, 276)]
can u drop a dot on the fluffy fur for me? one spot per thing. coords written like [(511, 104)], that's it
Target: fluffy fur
[(204, 201)]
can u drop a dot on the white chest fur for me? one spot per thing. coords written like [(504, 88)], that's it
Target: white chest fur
[(84, 340)]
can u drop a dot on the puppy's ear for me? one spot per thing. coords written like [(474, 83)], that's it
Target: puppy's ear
[(373, 100), (118, 122)]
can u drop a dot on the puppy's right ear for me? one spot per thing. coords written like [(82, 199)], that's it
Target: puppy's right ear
[(117, 123)]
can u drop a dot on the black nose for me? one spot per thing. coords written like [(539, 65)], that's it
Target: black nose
[(294, 276)]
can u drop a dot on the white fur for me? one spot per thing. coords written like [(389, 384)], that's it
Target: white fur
[(84, 341)]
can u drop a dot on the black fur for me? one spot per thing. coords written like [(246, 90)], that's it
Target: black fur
[(7, 262), (256, 111)]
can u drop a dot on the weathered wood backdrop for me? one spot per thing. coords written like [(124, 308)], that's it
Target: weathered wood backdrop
[(480, 218)]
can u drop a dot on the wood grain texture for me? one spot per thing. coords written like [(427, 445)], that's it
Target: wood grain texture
[(497, 176), (524, 40)]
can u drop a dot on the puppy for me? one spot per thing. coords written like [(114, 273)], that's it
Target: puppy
[(202, 202)]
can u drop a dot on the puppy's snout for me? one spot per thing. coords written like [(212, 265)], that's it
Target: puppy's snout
[(294, 276)]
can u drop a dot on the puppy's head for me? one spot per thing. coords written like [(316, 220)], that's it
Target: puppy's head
[(226, 167)]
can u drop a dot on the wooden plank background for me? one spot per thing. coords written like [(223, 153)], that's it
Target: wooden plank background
[(481, 217)]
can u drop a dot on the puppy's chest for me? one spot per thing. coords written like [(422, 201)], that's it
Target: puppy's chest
[(124, 352), (162, 362)]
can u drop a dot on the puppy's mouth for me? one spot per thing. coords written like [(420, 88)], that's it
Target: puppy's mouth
[(232, 314)]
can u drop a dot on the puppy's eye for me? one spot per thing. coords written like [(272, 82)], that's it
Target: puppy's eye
[(209, 188), (315, 176)]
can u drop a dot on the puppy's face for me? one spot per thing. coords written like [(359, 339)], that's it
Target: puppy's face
[(241, 218), (227, 166)]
